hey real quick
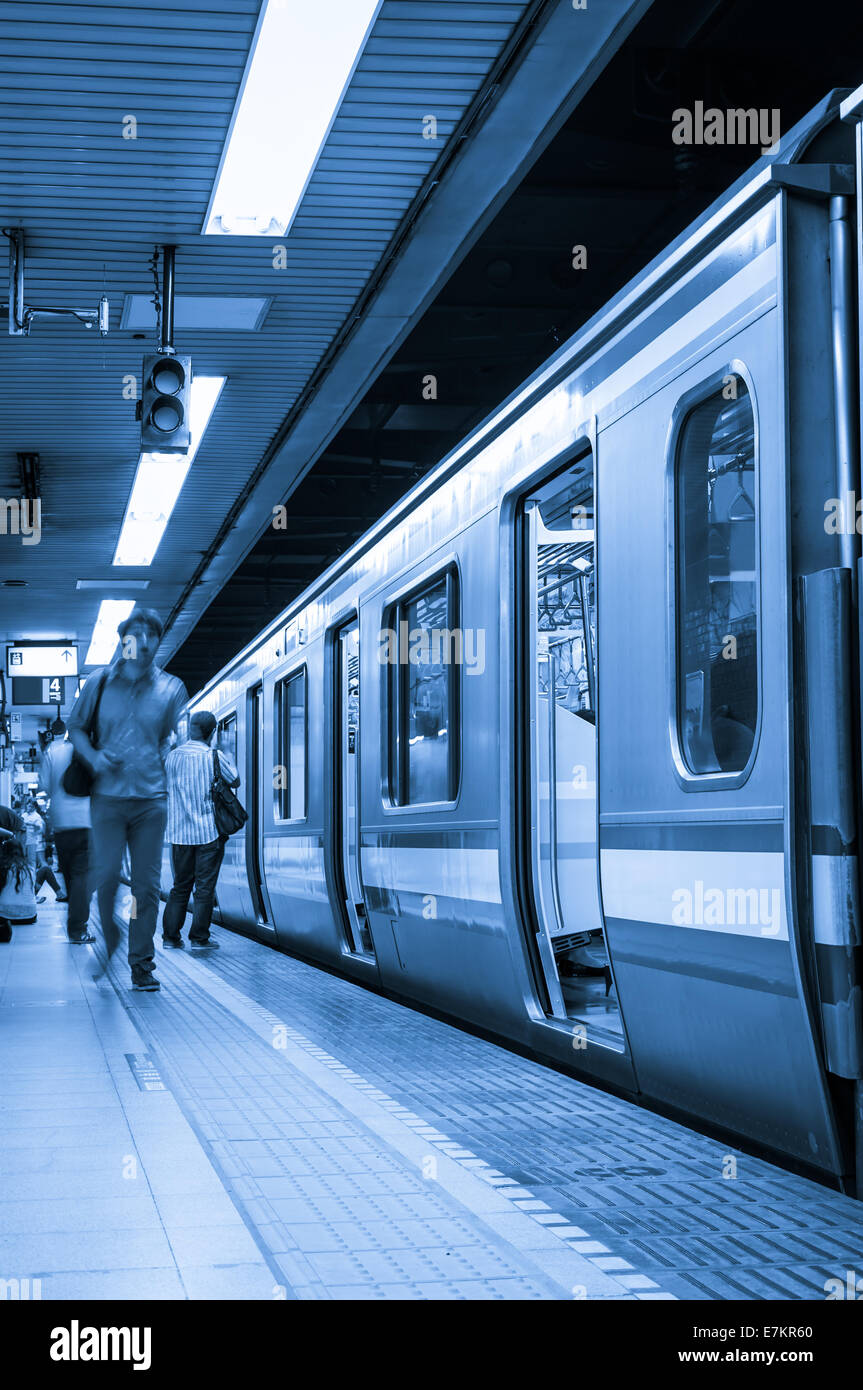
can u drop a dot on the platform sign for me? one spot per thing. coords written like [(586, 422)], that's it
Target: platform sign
[(15, 728), (60, 659), (38, 690)]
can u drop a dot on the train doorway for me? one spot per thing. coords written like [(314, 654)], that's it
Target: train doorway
[(561, 747), (347, 839), (254, 754)]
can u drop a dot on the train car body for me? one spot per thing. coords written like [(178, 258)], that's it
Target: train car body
[(567, 746)]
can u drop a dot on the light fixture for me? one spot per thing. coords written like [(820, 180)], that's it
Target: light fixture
[(105, 637), (302, 59), (159, 480), (198, 312)]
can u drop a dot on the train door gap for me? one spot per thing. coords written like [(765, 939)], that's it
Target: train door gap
[(254, 754), (560, 669), (347, 837)]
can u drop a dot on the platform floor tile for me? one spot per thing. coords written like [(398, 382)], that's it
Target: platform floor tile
[(338, 1199), (645, 1190)]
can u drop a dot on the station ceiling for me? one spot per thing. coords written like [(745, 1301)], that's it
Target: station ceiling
[(113, 117)]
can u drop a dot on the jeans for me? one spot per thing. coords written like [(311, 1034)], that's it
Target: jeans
[(194, 866), (138, 822), (73, 855)]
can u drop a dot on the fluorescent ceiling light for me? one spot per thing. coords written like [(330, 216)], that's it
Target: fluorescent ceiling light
[(105, 637), (302, 59), (159, 480), (204, 312)]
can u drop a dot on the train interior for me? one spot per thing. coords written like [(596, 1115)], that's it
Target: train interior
[(561, 633)]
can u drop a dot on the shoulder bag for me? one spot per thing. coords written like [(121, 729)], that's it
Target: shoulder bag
[(78, 778), (229, 813)]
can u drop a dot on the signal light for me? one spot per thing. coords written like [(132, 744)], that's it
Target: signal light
[(165, 404)]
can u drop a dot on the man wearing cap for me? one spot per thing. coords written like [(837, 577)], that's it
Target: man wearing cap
[(196, 849), (138, 711)]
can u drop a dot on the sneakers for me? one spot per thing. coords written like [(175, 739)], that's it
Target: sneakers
[(81, 940), (173, 943), (145, 979), (208, 945), (61, 898)]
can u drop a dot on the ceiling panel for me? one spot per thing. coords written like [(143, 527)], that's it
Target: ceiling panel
[(94, 205)]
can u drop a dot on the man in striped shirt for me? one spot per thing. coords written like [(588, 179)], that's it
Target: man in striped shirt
[(196, 849)]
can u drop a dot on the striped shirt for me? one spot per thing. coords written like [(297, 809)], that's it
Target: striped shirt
[(190, 806)]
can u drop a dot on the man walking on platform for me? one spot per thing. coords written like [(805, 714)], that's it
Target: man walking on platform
[(139, 705), (70, 817), (196, 847)]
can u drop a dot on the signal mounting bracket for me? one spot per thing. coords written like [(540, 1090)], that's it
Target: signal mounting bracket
[(21, 316)]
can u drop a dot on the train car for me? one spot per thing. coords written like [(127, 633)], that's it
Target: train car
[(566, 747)]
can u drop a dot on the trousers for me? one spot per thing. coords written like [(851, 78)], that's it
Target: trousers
[(73, 856), (139, 822), (195, 866)]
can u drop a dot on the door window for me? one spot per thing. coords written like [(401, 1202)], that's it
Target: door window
[(717, 583)]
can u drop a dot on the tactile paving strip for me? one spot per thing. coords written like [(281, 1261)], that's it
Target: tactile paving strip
[(646, 1193)]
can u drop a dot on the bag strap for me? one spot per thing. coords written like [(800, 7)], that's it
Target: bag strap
[(217, 771), (93, 722)]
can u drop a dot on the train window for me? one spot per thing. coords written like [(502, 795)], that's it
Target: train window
[(717, 582), (290, 779), (424, 733), (227, 737)]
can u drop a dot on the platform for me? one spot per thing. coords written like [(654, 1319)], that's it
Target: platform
[(261, 1129)]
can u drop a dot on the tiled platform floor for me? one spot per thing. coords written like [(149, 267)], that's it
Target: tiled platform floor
[(313, 1140)]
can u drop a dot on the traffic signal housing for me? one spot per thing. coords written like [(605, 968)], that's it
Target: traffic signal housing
[(165, 403)]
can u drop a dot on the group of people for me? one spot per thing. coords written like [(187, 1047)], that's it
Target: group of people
[(121, 729)]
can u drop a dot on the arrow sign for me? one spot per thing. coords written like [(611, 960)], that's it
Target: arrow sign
[(47, 660)]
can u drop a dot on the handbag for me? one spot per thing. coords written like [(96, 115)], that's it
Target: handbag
[(230, 814), (17, 893), (78, 778)]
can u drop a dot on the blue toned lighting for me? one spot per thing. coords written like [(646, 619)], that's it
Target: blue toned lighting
[(105, 637)]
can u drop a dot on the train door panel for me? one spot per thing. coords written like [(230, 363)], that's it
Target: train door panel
[(347, 838), (231, 891), (694, 749), (259, 906)]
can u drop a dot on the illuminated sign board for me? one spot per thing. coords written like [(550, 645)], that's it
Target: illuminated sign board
[(58, 660)]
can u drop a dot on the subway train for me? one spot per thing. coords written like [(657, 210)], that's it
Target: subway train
[(567, 746)]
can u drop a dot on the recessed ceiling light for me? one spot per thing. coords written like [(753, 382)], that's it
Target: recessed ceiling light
[(105, 636), (302, 59)]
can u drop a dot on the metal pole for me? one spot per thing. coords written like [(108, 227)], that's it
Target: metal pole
[(167, 344), (16, 282), (844, 380)]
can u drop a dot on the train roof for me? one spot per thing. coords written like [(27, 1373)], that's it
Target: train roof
[(764, 177)]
